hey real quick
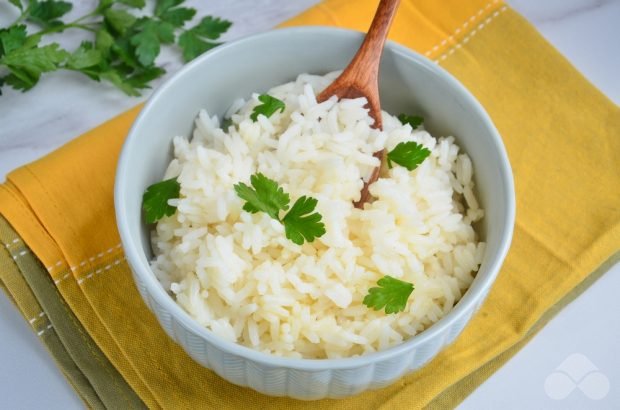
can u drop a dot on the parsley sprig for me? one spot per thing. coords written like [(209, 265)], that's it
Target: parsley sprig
[(408, 154), (414, 120), (301, 223), (155, 199), (122, 48), (264, 195), (392, 294), (270, 105)]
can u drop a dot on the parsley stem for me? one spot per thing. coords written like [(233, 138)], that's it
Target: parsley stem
[(82, 26), (63, 27), (128, 66), (23, 16), (93, 13)]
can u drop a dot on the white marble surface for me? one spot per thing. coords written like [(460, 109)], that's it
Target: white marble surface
[(64, 105)]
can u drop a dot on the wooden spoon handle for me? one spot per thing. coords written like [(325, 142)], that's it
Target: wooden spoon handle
[(360, 78)]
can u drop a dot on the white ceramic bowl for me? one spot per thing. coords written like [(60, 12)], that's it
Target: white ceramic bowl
[(409, 83)]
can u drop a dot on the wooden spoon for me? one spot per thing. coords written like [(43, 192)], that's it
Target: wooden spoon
[(360, 78)]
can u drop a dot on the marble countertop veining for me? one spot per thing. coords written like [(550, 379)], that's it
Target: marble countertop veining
[(64, 105)]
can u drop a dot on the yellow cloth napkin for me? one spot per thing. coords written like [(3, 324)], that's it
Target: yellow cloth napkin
[(562, 139)]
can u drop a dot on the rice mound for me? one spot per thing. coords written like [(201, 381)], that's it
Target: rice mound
[(239, 276)]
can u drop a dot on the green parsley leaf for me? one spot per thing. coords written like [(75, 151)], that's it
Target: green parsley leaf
[(408, 154), (104, 42), (265, 195), (178, 16), (142, 78), (118, 81), (46, 13), (119, 20), (148, 39), (163, 29), (12, 38), (17, 3), (128, 80), (147, 45), (155, 199), (413, 120), (196, 40), (193, 46), (136, 4), (165, 32), (124, 51), (38, 59), (163, 5), (21, 80), (301, 224), (211, 27), (27, 64), (226, 123), (268, 107), (94, 73), (392, 294), (84, 56), (104, 4)]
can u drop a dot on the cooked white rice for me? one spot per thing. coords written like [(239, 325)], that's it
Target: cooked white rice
[(239, 276)]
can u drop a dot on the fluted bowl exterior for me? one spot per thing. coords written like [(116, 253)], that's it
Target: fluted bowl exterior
[(408, 83)]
